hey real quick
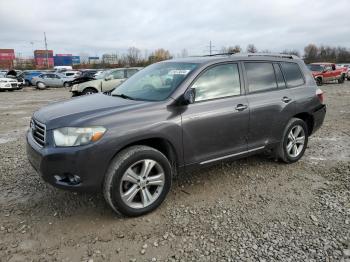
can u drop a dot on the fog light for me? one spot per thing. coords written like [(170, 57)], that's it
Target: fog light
[(68, 179)]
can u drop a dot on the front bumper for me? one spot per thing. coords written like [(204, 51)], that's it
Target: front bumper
[(56, 163)]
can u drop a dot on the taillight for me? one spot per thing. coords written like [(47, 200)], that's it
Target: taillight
[(320, 95)]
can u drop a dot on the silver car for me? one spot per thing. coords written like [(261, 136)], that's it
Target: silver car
[(51, 80)]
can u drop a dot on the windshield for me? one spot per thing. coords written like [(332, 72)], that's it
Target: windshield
[(155, 82), (315, 68)]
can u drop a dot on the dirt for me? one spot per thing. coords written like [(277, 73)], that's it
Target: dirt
[(253, 209)]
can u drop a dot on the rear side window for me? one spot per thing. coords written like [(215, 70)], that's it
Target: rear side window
[(261, 76), (292, 74), (217, 82)]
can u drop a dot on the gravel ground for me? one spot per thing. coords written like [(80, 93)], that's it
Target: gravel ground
[(253, 209)]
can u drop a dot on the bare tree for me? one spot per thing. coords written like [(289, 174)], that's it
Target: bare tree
[(251, 48), (159, 55), (184, 53), (133, 56), (291, 52)]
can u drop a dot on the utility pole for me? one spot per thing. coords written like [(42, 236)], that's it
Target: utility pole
[(47, 54), (211, 46)]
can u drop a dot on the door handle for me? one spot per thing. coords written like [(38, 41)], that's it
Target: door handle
[(241, 107), (286, 99)]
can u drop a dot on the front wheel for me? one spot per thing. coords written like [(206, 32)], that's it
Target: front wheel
[(137, 181), (89, 91), (66, 84), (294, 143), (319, 81)]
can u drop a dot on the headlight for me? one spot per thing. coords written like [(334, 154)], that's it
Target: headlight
[(3, 81), (7, 85), (75, 87), (77, 136)]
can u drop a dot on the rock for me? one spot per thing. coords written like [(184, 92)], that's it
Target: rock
[(155, 244), (143, 251), (346, 253), (144, 246), (314, 218)]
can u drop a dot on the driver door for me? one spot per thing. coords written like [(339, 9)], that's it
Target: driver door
[(114, 79), (215, 126)]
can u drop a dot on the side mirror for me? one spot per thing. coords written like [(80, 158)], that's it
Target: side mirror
[(188, 97)]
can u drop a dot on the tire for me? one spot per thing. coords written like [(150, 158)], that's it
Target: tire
[(40, 86), (66, 84), (341, 79), (89, 91), (319, 81), (117, 182), (75, 94), (27, 83), (285, 151), (348, 78)]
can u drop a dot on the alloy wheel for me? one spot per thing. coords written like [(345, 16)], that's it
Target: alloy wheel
[(142, 183), (296, 141)]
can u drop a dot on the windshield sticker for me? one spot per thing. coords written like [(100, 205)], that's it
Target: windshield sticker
[(179, 72)]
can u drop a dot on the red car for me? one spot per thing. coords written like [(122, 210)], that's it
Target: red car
[(326, 72)]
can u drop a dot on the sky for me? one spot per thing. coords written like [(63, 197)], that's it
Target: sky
[(109, 26)]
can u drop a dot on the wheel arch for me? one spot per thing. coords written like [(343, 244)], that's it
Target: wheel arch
[(163, 145), (89, 87), (308, 119)]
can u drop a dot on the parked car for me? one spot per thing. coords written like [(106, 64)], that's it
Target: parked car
[(326, 72), (28, 76), (85, 77), (16, 74), (104, 82), (346, 68), (50, 80), (9, 84), (131, 143)]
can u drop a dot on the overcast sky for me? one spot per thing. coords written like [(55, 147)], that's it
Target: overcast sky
[(101, 26)]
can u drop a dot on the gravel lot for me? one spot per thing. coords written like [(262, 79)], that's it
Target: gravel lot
[(253, 209)]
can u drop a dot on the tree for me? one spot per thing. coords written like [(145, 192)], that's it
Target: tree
[(251, 48), (310, 53), (159, 55), (291, 52), (184, 53), (133, 56)]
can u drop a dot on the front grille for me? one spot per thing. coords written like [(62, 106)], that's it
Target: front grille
[(14, 84), (38, 132)]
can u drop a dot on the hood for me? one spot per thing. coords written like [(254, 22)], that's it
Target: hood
[(94, 83), (80, 110), (7, 79)]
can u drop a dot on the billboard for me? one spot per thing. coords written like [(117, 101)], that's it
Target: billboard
[(76, 60), (62, 60), (7, 54)]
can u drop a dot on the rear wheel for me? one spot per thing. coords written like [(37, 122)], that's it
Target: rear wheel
[(341, 79), (294, 143), (40, 85), (319, 81), (89, 91), (66, 84), (137, 181), (27, 82)]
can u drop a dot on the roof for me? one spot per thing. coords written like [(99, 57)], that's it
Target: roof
[(235, 57), (322, 63)]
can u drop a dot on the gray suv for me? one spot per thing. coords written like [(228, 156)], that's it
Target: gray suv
[(171, 117)]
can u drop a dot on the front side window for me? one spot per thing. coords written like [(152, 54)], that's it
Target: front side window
[(217, 82), (119, 74), (155, 82), (130, 72), (261, 76), (292, 74)]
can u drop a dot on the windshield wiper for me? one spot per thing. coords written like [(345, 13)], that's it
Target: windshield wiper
[(123, 96)]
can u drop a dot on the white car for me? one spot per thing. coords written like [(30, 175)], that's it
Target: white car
[(9, 84)]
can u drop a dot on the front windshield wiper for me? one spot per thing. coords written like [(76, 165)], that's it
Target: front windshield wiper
[(123, 96)]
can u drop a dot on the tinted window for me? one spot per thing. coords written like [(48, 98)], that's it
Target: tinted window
[(261, 76), (219, 81), (292, 74), (279, 76)]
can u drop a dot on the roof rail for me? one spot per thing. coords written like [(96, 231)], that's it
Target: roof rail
[(268, 54)]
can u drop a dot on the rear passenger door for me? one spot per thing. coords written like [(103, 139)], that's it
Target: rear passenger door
[(271, 104)]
